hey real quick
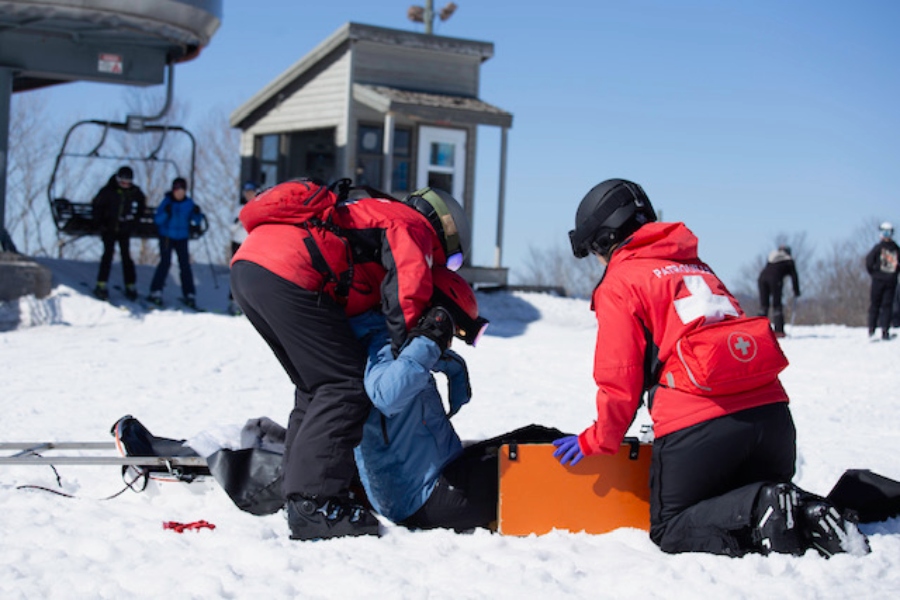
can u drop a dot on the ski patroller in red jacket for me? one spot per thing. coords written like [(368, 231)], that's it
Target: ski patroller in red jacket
[(656, 288), (394, 248)]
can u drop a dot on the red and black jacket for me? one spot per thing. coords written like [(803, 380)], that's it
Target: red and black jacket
[(654, 292), (393, 248)]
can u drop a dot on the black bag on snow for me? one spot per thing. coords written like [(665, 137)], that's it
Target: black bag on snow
[(251, 477), (873, 497)]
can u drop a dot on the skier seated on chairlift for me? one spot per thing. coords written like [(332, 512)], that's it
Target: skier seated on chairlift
[(115, 208), (175, 216)]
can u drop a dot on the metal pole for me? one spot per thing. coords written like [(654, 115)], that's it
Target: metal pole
[(6, 86), (501, 200), (209, 259), (137, 122), (429, 16), (387, 183)]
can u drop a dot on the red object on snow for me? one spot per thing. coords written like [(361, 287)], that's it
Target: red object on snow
[(181, 527)]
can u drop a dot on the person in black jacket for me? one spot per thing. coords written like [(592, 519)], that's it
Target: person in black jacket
[(882, 264), (116, 207), (771, 285)]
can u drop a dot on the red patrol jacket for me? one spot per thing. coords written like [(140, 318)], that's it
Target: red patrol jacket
[(656, 289), (393, 249), (395, 237)]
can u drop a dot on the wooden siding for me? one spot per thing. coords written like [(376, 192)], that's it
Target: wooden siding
[(415, 69), (321, 101)]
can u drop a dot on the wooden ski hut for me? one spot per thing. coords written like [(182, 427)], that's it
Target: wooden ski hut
[(392, 109)]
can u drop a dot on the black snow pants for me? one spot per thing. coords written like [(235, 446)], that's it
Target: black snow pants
[(312, 339), (465, 495), (772, 288), (123, 240), (881, 302), (704, 479)]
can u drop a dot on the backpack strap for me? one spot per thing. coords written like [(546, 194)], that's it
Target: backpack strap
[(343, 280)]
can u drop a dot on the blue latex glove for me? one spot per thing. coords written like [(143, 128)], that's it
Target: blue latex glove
[(568, 450)]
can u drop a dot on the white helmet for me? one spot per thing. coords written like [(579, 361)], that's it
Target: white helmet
[(887, 230)]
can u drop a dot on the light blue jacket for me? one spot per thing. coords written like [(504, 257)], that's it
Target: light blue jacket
[(407, 439), (174, 218)]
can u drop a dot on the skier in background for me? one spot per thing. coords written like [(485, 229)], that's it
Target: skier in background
[(883, 264), (771, 285)]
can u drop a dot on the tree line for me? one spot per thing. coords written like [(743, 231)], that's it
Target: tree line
[(834, 285)]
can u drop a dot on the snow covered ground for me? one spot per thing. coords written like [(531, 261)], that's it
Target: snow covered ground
[(75, 365)]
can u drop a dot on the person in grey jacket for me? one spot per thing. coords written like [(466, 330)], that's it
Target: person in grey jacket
[(771, 285)]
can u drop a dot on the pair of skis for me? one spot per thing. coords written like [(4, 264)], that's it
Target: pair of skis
[(139, 302), (34, 453), (150, 305)]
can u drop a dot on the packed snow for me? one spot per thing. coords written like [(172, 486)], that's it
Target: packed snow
[(71, 366)]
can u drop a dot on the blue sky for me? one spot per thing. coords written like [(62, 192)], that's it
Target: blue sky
[(742, 119)]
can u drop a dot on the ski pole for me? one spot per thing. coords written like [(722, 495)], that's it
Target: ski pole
[(210, 261)]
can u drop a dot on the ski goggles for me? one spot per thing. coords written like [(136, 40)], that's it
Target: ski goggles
[(455, 261), (470, 330)]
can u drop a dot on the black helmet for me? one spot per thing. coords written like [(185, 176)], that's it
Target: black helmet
[(608, 214), (448, 219)]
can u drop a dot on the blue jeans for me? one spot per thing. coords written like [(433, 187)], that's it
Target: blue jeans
[(166, 245)]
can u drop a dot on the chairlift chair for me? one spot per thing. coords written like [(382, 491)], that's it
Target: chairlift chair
[(75, 219)]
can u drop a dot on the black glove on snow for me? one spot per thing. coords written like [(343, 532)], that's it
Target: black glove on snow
[(437, 325)]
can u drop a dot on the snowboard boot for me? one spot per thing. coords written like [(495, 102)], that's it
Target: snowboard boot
[(190, 301), (830, 533), (312, 519), (778, 323), (101, 292), (155, 298), (775, 526), (131, 292)]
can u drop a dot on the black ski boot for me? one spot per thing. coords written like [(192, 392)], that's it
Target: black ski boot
[(310, 519), (829, 532), (131, 292), (155, 298), (775, 526), (101, 292)]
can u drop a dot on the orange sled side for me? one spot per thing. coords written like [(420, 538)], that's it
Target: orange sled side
[(599, 494)]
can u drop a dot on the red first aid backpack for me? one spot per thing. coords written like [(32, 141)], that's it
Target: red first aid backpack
[(309, 205), (728, 357)]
